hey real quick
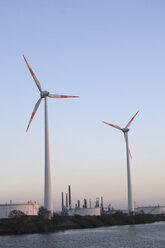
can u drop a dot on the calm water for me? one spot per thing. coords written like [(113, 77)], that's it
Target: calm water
[(137, 236)]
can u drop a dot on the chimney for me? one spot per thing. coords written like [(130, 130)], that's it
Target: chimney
[(62, 196), (90, 203), (102, 205), (85, 203), (97, 204), (78, 203), (69, 191), (66, 201)]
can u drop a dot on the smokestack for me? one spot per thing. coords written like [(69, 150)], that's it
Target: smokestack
[(85, 203), (66, 201), (69, 191), (97, 204), (90, 203), (62, 196), (78, 203), (102, 206)]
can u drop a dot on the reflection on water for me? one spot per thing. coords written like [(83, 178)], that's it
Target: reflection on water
[(135, 236)]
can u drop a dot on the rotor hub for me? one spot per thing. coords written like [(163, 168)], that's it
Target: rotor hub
[(125, 130), (44, 93)]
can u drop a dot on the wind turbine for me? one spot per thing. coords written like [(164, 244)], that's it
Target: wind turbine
[(48, 202), (125, 131)]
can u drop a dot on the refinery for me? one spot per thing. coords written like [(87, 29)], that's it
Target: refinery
[(86, 208)]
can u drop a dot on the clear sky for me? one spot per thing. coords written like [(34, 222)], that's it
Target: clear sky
[(112, 54)]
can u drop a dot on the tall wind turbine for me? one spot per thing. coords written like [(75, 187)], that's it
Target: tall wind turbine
[(48, 202), (125, 131)]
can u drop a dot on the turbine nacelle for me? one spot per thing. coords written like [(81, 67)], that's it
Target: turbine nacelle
[(44, 93), (125, 130)]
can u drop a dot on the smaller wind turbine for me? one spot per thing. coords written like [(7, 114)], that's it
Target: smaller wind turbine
[(125, 131)]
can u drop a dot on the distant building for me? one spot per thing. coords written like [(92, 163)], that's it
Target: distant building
[(151, 210), (28, 208), (85, 212)]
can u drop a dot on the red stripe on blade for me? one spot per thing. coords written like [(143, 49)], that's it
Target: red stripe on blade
[(32, 115), (31, 71), (63, 96)]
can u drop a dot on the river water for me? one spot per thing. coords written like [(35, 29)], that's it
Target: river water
[(134, 236)]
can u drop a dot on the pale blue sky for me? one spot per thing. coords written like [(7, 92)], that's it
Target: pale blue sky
[(111, 54)]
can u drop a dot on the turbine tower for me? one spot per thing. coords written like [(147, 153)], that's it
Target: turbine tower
[(128, 154), (48, 202)]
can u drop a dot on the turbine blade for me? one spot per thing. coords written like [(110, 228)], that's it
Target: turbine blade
[(33, 113), (129, 123), (60, 96), (33, 75), (128, 148), (112, 125)]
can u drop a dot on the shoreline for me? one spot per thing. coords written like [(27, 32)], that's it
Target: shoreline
[(35, 224)]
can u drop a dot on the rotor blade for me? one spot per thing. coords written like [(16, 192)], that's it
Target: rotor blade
[(112, 125), (60, 96), (128, 148), (33, 75), (129, 123), (33, 113)]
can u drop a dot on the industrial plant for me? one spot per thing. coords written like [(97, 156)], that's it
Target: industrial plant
[(78, 209), (86, 208)]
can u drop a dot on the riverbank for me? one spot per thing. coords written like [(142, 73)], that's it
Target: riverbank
[(35, 224)]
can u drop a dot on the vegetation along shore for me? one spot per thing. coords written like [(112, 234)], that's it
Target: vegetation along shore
[(38, 224)]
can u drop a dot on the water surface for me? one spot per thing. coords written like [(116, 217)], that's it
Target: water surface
[(134, 236)]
